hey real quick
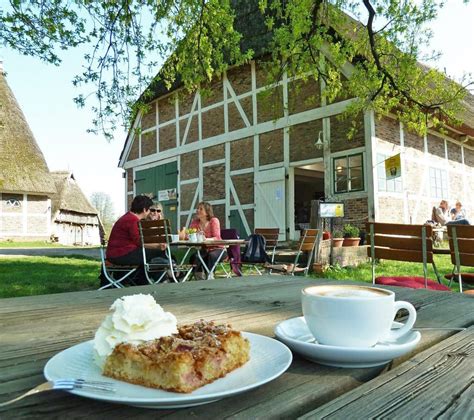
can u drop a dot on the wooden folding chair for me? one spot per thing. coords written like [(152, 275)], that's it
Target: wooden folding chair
[(461, 246), (306, 246), (399, 242), (271, 241), (114, 274), (159, 232)]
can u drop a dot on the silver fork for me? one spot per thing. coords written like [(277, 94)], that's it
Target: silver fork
[(65, 385)]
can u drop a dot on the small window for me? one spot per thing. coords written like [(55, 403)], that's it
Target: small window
[(438, 183), (384, 184), (348, 173), (13, 202)]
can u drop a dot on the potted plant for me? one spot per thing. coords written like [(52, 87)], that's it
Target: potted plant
[(192, 234), (351, 235), (337, 239)]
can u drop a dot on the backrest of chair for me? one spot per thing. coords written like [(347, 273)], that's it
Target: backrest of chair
[(270, 235), (229, 234), (399, 242), (308, 240), (155, 231), (461, 242)]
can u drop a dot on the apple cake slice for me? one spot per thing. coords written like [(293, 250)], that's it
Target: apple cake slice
[(197, 355)]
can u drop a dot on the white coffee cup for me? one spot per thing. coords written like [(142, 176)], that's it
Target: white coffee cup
[(353, 316), (174, 238)]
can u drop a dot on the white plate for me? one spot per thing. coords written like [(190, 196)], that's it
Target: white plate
[(295, 334), (268, 359)]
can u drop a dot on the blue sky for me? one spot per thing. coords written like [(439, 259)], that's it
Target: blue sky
[(45, 94)]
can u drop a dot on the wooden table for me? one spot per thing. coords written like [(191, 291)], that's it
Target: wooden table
[(435, 379), (223, 243)]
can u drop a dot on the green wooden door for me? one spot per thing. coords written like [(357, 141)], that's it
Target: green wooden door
[(161, 183), (235, 222)]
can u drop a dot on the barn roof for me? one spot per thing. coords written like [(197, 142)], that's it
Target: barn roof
[(23, 167), (69, 196)]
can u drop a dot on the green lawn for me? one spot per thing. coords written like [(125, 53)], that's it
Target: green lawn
[(31, 244), (28, 276)]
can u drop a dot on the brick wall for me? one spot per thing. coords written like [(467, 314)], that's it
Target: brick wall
[(303, 96), (149, 143), (149, 118), (241, 154), (435, 146), (37, 204), (302, 139), (270, 104), (244, 188), (339, 130), (189, 167), (271, 147), (388, 130), (166, 109), (236, 121), (213, 153), (193, 131), (214, 185)]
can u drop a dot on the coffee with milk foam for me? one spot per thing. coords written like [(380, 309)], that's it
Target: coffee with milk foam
[(348, 292)]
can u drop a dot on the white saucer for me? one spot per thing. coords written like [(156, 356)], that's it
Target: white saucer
[(296, 335)]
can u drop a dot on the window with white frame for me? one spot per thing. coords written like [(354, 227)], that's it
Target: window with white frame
[(438, 183), (348, 173), (13, 202), (384, 184)]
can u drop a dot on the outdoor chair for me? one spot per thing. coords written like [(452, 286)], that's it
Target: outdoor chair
[(233, 253), (114, 274), (399, 242), (161, 268), (270, 235), (461, 246), (306, 247)]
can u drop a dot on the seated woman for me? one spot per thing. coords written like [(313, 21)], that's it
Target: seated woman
[(209, 225), (124, 246)]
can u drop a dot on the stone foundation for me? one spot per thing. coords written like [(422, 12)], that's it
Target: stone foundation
[(343, 256)]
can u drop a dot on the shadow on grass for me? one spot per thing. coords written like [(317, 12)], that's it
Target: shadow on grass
[(28, 276)]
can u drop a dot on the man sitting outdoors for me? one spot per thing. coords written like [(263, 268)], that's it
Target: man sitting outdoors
[(124, 246)]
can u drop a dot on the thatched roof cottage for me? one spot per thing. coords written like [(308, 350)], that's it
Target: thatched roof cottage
[(75, 220), (34, 204), (26, 185)]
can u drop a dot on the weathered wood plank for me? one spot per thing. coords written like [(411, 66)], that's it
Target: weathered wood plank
[(437, 382), (32, 329)]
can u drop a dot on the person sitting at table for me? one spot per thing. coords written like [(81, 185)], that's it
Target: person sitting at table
[(124, 246), (458, 215), (209, 225), (440, 214)]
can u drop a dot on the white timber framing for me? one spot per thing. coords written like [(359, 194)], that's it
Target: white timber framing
[(406, 217), (371, 153), (254, 129)]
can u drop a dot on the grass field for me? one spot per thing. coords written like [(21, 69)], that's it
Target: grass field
[(31, 244), (28, 276)]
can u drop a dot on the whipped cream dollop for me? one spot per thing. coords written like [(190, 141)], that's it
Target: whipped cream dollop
[(135, 319)]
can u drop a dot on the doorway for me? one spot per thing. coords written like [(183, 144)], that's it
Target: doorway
[(308, 185)]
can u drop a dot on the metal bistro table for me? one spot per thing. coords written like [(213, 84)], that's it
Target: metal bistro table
[(224, 243), (436, 379)]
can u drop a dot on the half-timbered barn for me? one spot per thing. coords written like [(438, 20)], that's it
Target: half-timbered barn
[(75, 220), (26, 186), (261, 158)]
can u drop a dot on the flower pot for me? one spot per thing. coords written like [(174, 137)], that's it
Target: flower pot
[(351, 242), (318, 268), (326, 235), (337, 242)]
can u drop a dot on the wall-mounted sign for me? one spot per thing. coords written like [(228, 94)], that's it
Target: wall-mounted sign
[(165, 195), (393, 167), (331, 209)]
